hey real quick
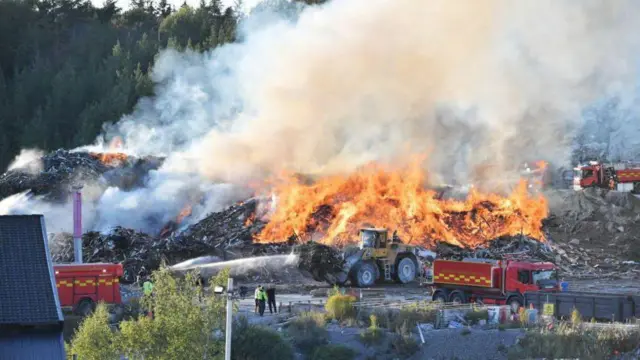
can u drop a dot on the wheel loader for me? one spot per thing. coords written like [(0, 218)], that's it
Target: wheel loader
[(379, 258)]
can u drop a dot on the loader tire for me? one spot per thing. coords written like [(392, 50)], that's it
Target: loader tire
[(365, 274), (406, 270)]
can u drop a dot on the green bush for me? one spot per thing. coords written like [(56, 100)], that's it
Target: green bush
[(333, 352), (253, 342), (182, 327), (94, 339), (373, 334), (571, 341), (307, 331), (340, 307)]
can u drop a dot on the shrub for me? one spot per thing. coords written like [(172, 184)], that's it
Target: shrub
[(94, 339), (373, 334), (476, 315), (307, 331), (414, 314), (576, 318), (569, 341), (403, 343), (340, 307), (253, 342), (333, 352)]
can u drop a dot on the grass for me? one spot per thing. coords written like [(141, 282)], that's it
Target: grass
[(573, 340), (403, 343), (474, 316), (373, 334), (307, 331), (333, 352), (414, 314)]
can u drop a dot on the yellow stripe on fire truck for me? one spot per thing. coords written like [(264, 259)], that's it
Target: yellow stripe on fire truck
[(87, 282), (468, 279)]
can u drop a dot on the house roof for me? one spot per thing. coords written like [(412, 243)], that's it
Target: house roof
[(28, 295), (35, 346)]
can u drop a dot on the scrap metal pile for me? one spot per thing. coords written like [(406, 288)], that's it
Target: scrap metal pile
[(590, 233)]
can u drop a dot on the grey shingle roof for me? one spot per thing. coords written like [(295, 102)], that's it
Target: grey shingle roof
[(28, 295)]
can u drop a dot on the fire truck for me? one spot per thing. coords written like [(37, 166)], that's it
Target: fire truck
[(618, 176), (491, 282), (81, 286)]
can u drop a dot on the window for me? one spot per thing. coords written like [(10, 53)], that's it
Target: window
[(523, 276), (587, 173), (544, 275), (368, 239)]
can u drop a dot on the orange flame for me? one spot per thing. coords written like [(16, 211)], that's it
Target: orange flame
[(541, 164), (111, 159), (332, 209), (171, 226), (185, 212)]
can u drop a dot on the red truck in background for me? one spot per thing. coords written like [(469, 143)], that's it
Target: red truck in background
[(618, 176), (491, 282), (81, 286)]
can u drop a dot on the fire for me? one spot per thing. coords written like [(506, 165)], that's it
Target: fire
[(332, 209), (111, 159), (541, 164), (185, 212), (171, 226)]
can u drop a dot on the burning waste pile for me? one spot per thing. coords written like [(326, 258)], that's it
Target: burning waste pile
[(312, 219)]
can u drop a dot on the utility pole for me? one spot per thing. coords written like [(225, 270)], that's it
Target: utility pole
[(227, 342)]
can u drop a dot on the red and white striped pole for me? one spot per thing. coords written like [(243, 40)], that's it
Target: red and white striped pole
[(77, 224)]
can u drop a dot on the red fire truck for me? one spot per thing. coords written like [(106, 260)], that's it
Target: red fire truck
[(495, 282), (618, 176), (81, 286)]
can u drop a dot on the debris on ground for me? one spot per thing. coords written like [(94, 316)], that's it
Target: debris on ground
[(61, 169)]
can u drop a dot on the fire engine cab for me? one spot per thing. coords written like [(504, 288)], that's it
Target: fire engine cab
[(81, 286)]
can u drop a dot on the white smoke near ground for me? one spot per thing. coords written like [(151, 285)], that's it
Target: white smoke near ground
[(28, 160), (470, 83)]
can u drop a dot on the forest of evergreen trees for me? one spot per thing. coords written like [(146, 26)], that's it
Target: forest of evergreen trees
[(68, 67)]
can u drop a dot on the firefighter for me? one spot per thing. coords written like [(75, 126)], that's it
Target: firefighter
[(256, 295), (147, 288), (262, 299), (271, 298)]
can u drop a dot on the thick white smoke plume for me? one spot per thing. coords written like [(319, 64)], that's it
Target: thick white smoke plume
[(469, 83)]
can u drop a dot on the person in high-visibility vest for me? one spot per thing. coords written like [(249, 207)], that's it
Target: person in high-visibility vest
[(262, 299), (147, 288), (255, 295)]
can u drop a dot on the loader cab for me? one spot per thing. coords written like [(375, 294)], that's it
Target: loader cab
[(373, 238)]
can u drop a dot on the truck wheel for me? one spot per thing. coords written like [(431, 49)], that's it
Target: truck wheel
[(85, 307), (515, 304), (457, 298), (406, 270), (365, 274), (439, 296)]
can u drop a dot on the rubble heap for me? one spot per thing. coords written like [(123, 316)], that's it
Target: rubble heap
[(319, 261), (61, 168)]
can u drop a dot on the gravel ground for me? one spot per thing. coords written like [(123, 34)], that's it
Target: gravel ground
[(478, 344)]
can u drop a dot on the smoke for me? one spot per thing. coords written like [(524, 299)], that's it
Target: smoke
[(478, 85), (470, 83), (28, 161)]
